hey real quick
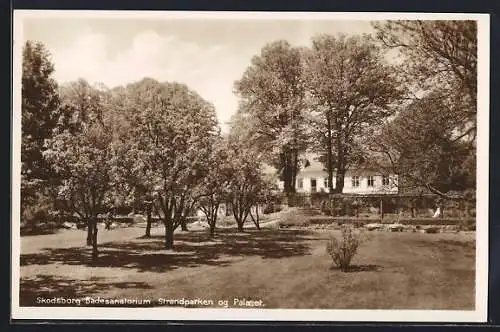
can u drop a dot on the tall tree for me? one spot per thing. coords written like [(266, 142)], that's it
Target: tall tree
[(39, 115), (439, 59), (422, 146), (351, 88), (172, 132), (439, 55), (213, 191), (81, 153), (131, 187), (272, 94), (248, 185)]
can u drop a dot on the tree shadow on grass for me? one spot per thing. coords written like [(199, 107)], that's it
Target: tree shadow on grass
[(33, 289), (194, 248), (39, 231), (449, 247), (268, 244), (121, 258)]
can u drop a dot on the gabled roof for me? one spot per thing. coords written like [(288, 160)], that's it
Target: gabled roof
[(311, 164)]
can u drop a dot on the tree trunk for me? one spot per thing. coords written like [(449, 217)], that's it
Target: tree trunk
[(169, 235), (289, 163), (339, 181), (329, 155), (256, 219), (95, 253), (287, 179), (148, 223), (89, 232), (381, 209), (339, 164), (183, 224), (257, 216), (442, 209), (295, 169), (238, 214), (212, 228)]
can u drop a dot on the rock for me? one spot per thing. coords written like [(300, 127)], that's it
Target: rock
[(449, 228), (395, 227), (431, 229), (409, 228), (373, 226), (138, 218), (69, 225)]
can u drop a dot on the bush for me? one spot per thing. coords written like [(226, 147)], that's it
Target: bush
[(37, 211), (438, 221), (314, 220), (343, 251), (271, 208)]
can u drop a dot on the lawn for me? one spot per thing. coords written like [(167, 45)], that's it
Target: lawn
[(285, 268)]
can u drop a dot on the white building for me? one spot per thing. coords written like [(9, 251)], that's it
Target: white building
[(314, 178)]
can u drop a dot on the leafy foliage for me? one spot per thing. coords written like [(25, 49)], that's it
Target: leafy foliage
[(214, 188), (350, 88), (171, 137), (439, 55), (82, 154), (39, 115), (421, 146), (432, 142), (248, 186), (272, 93), (343, 251)]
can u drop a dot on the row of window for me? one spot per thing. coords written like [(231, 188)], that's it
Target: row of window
[(355, 181)]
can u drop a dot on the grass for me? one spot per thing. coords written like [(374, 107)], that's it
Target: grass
[(287, 268)]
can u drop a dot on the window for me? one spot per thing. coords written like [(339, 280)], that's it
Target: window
[(325, 183), (300, 183), (371, 181), (385, 180), (313, 185), (355, 181)]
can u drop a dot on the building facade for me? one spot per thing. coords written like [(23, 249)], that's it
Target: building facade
[(360, 182), (314, 178)]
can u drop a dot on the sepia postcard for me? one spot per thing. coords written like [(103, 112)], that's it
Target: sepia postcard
[(250, 166)]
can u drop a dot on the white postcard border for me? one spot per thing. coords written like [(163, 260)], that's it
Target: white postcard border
[(174, 314)]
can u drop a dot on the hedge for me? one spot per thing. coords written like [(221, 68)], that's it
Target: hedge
[(313, 220)]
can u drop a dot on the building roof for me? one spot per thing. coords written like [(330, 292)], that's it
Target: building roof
[(314, 166)]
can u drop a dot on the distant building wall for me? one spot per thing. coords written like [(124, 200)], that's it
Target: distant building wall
[(356, 183)]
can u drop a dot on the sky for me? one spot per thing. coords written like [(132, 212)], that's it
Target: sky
[(208, 55)]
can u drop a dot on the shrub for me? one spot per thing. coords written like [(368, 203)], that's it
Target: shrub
[(314, 220), (37, 211), (271, 208), (343, 251)]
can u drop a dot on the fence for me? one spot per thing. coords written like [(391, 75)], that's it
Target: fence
[(408, 206)]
